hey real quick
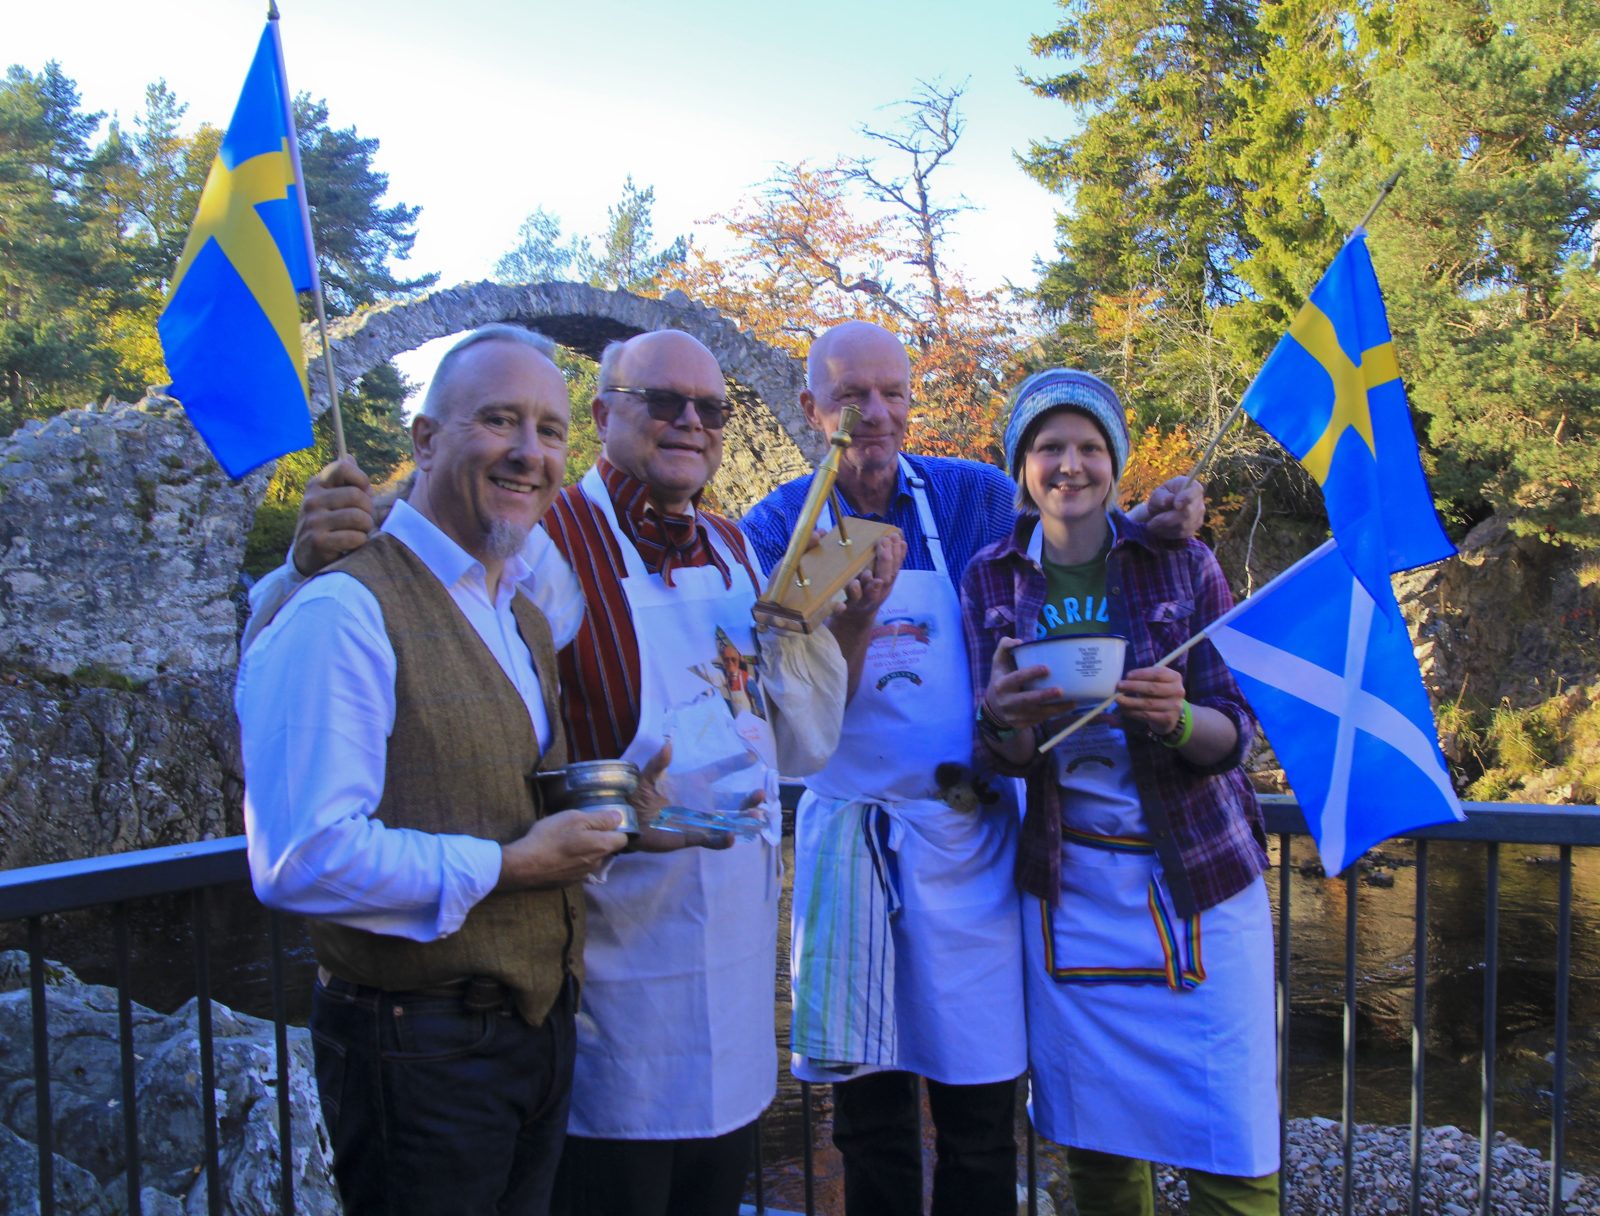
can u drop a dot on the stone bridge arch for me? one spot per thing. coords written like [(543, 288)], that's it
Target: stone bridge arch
[(768, 440)]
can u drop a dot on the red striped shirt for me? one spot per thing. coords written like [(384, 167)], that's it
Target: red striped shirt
[(600, 669)]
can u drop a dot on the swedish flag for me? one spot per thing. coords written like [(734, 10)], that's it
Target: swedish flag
[(231, 327), (1331, 393)]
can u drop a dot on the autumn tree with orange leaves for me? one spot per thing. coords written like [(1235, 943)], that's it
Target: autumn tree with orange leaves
[(806, 255)]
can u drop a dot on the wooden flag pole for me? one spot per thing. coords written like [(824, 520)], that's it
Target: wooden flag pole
[(1205, 459), (339, 450), (327, 370), (1227, 423)]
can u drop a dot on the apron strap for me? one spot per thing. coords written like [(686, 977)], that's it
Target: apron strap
[(919, 495), (930, 529)]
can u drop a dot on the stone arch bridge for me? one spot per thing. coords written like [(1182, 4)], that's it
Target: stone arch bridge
[(768, 440)]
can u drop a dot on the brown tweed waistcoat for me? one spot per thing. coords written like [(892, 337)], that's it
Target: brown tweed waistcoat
[(459, 761)]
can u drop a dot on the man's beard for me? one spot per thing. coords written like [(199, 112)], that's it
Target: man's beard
[(505, 539)]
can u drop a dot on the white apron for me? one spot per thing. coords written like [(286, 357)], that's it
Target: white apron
[(1150, 1035), (957, 962), (676, 1032)]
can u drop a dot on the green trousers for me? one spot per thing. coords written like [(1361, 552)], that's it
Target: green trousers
[(1107, 1185)]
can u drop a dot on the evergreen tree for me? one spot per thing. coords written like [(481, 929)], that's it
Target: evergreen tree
[(1311, 101), (1484, 252), (61, 267), (1154, 233), (540, 254), (626, 259)]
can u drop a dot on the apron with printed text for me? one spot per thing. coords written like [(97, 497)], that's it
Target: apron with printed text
[(675, 1034), (957, 963)]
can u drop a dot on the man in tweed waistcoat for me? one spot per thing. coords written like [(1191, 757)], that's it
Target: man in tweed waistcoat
[(392, 716)]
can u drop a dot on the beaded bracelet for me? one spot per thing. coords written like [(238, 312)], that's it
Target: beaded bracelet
[(1182, 732)]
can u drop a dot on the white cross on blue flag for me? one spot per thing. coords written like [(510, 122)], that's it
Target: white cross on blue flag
[(1334, 682)]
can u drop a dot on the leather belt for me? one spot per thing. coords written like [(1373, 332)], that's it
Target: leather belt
[(478, 993)]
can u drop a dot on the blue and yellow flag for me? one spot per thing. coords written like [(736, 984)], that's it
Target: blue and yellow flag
[(1331, 393), (231, 327)]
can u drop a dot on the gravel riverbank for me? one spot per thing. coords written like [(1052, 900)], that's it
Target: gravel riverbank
[(1314, 1174)]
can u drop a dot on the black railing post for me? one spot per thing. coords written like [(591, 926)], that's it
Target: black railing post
[(1284, 870), (1419, 1025), (1033, 1169), (130, 1105), (807, 1153), (280, 1045), (1347, 1132), (208, 1063), (1558, 1085), (44, 1130), (1491, 1020), (760, 1167)]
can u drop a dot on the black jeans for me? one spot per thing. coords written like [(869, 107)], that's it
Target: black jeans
[(875, 1131), (435, 1110), (701, 1177)]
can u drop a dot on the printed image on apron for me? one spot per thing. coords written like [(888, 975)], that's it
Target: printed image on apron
[(897, 648), (734, 676)]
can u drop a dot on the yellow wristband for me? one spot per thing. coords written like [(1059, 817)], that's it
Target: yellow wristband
[(1182, 732)]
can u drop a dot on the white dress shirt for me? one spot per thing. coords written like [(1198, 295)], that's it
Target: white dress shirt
[(316, 705)]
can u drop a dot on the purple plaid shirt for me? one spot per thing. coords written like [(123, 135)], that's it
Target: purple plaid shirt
[(1204, 821)]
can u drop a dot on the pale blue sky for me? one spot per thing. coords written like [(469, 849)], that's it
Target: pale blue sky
[(485, 110)]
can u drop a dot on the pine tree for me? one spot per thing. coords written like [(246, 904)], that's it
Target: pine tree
[(1155, 232), (62, 273), (1485, 255)]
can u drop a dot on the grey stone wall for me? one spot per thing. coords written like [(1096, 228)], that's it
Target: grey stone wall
[(120, 544)]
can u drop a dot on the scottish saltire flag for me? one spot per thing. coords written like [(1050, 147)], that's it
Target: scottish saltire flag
[(231, 327), (1331, 393), (1334, 682)]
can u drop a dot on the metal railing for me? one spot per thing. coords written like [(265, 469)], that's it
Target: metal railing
[(1491, 824), (30, 895)]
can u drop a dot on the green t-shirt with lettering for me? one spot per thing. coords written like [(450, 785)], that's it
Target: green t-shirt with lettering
[(1075, 599)]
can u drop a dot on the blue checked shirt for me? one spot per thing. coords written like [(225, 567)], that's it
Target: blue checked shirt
[(973, 505)]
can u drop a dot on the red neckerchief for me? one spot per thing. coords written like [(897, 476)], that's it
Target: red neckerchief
[(665, 542)]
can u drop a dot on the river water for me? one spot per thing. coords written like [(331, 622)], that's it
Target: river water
[(164, 977)]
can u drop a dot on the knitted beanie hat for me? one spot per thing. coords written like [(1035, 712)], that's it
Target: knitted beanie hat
[(1063, 388)]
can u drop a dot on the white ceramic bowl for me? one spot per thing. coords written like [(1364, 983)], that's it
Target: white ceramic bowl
[(1085, 667)]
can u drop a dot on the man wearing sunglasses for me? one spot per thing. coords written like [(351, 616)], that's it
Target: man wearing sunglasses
[(946, 1001), (675, 1054), (675, 1059)]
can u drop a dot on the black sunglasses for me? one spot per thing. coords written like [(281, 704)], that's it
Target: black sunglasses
[(664, 405)]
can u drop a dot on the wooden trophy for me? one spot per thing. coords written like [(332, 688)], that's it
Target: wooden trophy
[(802, 590)]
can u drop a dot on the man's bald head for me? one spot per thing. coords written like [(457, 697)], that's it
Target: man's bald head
[(852, 342), (864, 365), (441, 387)]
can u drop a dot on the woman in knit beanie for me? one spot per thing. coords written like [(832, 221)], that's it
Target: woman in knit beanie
[(1148, 939)]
